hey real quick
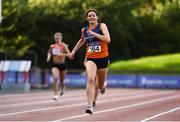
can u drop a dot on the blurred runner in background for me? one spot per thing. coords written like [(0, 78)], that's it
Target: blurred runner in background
[(58, 51)]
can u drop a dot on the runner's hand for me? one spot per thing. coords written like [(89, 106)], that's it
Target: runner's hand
[(71, 55)]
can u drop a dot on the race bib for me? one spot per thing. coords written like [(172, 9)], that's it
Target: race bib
[(56, 51), (95, 48)]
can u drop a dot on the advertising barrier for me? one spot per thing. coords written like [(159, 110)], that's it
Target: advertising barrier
[(125, 81), (122, 80), (158, 81), (15, 75)]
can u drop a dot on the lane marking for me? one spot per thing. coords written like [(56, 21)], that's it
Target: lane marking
[(34, 93), (40, 102), (122, 107), (49, 93), (85, 103), (160, 114), (34, 97), (62, 99), (69, 93), (37, 110)]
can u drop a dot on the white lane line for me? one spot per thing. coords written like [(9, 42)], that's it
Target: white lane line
[(48, 96), (163, 113), (40, 102), (24, 98), (75, 105), (122, 107), (38, 96), (32, 94), (42, 109), (62, 99)]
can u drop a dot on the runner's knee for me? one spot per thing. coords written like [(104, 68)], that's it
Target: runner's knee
[(90, 80), (55, 79)]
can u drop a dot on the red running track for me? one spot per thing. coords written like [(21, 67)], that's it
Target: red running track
[(115, 105)]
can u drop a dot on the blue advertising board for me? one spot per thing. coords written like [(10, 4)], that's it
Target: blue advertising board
[(159, 81), (122, 80), (78, 80), (9, 77), (128, 81)]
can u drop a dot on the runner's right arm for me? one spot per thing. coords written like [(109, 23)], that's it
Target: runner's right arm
[(78, 45), (49, 54)]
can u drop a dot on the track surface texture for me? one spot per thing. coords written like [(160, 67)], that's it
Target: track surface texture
[(117, 104)]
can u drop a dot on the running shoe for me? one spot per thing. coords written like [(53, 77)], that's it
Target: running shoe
[(55, 98), (89, 110), (61, 93), (104, 89), (94, 103)]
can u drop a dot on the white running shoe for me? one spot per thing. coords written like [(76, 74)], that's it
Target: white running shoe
[(55, 98), (104, 89), (89, 110), (61, 93)]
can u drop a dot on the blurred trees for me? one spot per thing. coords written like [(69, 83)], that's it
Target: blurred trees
[(12, 37), (138, 28)]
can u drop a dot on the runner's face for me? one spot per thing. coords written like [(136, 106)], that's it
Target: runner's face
[(58, 38), (92, 18)]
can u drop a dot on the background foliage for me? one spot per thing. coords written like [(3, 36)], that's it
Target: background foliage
[(138, 28)]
